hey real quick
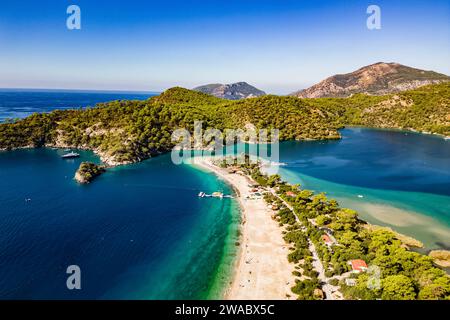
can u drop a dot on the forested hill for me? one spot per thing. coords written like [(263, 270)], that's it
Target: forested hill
[(129, 131)]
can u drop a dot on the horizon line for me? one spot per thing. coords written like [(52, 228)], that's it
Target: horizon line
[(79, 90)]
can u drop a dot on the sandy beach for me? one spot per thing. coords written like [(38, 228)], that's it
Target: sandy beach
[(262, 270)]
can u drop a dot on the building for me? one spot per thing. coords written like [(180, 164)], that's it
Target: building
[(327, 240), (291, 194), (358, 265)]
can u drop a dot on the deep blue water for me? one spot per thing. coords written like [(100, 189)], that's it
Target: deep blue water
[(21, 103), (138, 231)]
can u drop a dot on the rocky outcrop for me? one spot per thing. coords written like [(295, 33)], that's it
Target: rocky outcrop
[(376, 79)]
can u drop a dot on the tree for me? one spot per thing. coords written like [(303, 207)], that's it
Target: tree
[(323, 220), (398, 287), (439, 289)]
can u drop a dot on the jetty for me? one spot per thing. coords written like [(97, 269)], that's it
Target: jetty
[(216, 194)]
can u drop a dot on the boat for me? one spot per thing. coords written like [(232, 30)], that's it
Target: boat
[(70, 155), (217, 195), (273, 163), (201, 194)]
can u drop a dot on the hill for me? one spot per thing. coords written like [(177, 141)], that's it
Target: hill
[(376, 79), (129, 131), (234, 91)]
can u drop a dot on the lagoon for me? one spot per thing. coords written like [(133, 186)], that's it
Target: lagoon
[(391, 177)]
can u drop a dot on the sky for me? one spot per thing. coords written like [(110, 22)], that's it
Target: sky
[(279, 46)]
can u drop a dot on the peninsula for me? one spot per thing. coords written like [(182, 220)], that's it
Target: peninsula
[(297, 244)]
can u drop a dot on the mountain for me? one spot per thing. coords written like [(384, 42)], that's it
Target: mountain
[(377, 79), (234, 91)]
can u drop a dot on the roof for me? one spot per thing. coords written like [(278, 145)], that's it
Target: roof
[(290, 194), (326, 238), (358, 265)]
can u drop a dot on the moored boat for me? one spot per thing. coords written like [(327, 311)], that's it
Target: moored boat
[(70, 155)]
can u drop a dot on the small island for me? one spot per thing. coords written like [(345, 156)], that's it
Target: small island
[(88, 171)]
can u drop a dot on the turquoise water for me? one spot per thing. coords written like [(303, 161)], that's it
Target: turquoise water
[(137, 232), (391, 178)]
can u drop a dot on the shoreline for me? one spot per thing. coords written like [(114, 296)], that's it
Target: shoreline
[(385, 208), (261, 269), (403, 130)]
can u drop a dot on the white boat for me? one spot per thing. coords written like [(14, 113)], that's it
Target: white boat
[(70, 155), (273, 163)]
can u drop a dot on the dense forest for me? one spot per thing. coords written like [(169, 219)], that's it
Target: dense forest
[(129, 131)]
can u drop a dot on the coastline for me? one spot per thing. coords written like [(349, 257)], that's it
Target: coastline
[(261, 270), (387, 208), (404, 130)]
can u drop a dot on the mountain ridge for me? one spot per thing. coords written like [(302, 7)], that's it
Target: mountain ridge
[(380, 78)]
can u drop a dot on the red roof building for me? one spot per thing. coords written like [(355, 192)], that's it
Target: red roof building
[(358, 265), (290, 194), (326, 239)]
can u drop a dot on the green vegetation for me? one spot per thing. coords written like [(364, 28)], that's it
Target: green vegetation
[(88, 171), (129, 131), (404, 274)]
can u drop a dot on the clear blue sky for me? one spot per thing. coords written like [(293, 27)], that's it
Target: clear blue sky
[(277, 45)]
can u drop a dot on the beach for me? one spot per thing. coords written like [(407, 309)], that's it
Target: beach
[(262, 270)]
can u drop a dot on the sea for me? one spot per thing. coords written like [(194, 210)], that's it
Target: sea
[(141, 232)]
